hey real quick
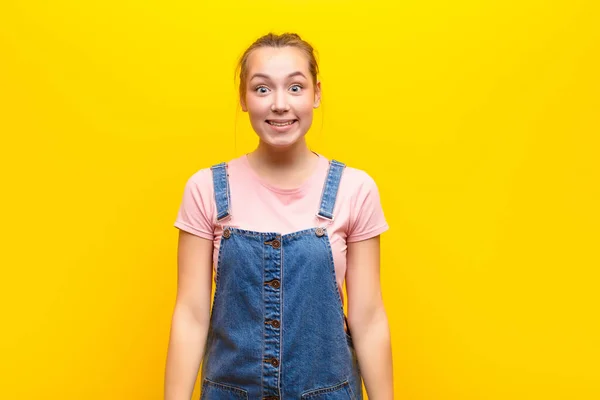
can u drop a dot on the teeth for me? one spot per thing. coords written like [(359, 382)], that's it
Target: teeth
[(281, 124)]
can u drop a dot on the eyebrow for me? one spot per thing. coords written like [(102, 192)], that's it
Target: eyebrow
[(259, 75)]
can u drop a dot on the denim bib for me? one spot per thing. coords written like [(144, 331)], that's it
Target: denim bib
[(277, 327)]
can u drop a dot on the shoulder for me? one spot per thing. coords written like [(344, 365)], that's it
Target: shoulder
[(203, 178), (366, 216), (356, 181)]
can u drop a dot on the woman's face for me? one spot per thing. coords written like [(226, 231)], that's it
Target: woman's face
[(280, 95)]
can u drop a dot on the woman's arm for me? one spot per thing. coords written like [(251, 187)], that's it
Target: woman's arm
[(191, 316), (367, 318)]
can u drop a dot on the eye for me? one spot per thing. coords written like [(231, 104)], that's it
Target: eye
[(261, 89), (297, 88)]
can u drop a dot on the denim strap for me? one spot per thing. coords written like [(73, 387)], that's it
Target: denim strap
[(221, 189), (330, 189)]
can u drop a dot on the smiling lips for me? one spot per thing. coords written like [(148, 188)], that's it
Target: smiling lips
[(280, 122)]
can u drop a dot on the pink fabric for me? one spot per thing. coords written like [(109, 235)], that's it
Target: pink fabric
[(258, 206)]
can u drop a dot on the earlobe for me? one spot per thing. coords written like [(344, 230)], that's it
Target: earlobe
[(243, 105)]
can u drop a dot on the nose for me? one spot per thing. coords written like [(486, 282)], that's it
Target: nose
[(280, 103)]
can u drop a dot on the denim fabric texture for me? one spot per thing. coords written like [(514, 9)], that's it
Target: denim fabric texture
[(277, 327)]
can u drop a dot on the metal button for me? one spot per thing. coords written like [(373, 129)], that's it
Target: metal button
[(275, 243), (275, 323), (226, 233), (273, 283), (273, 361), (320, 232)]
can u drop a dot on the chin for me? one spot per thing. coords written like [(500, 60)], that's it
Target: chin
[(280, 145), (281, 142)]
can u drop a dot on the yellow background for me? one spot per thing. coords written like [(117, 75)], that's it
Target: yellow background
[(479, 121)]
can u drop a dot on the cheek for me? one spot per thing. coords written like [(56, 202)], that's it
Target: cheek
[(305, 107), (257, 106)]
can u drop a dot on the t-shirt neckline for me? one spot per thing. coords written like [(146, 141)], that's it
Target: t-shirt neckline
[(307, 182)]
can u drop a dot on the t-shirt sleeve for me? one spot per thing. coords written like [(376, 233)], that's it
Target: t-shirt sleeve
[(366, 217), (196, 213)]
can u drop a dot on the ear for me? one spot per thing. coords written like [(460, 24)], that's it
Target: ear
[(243, 105), (317, 95)]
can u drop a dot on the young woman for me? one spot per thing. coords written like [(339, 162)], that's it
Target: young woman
[(281, 228)]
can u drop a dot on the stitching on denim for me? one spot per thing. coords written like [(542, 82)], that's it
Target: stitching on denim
[(220, 171), (315, 392), (281, 321), (265, 295), (351, 392), (328, 190), (218, 273), (251, 233), (302, 232), (230, 388), (332, 272), (228, 190), (247, 232), (264, 310), (325, 186)]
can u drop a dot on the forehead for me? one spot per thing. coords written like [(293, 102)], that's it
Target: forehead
[(277, 62)]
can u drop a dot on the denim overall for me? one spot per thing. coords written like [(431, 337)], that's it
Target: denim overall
[(277, 328)]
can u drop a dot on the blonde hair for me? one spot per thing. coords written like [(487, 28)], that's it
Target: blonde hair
[(277, 41)]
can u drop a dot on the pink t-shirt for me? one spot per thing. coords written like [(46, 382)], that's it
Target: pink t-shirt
[(259, 206)]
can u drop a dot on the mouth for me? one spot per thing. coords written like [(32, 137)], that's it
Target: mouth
[(281, 122)]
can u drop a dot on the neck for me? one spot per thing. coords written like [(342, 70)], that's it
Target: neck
[(290, 158)]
